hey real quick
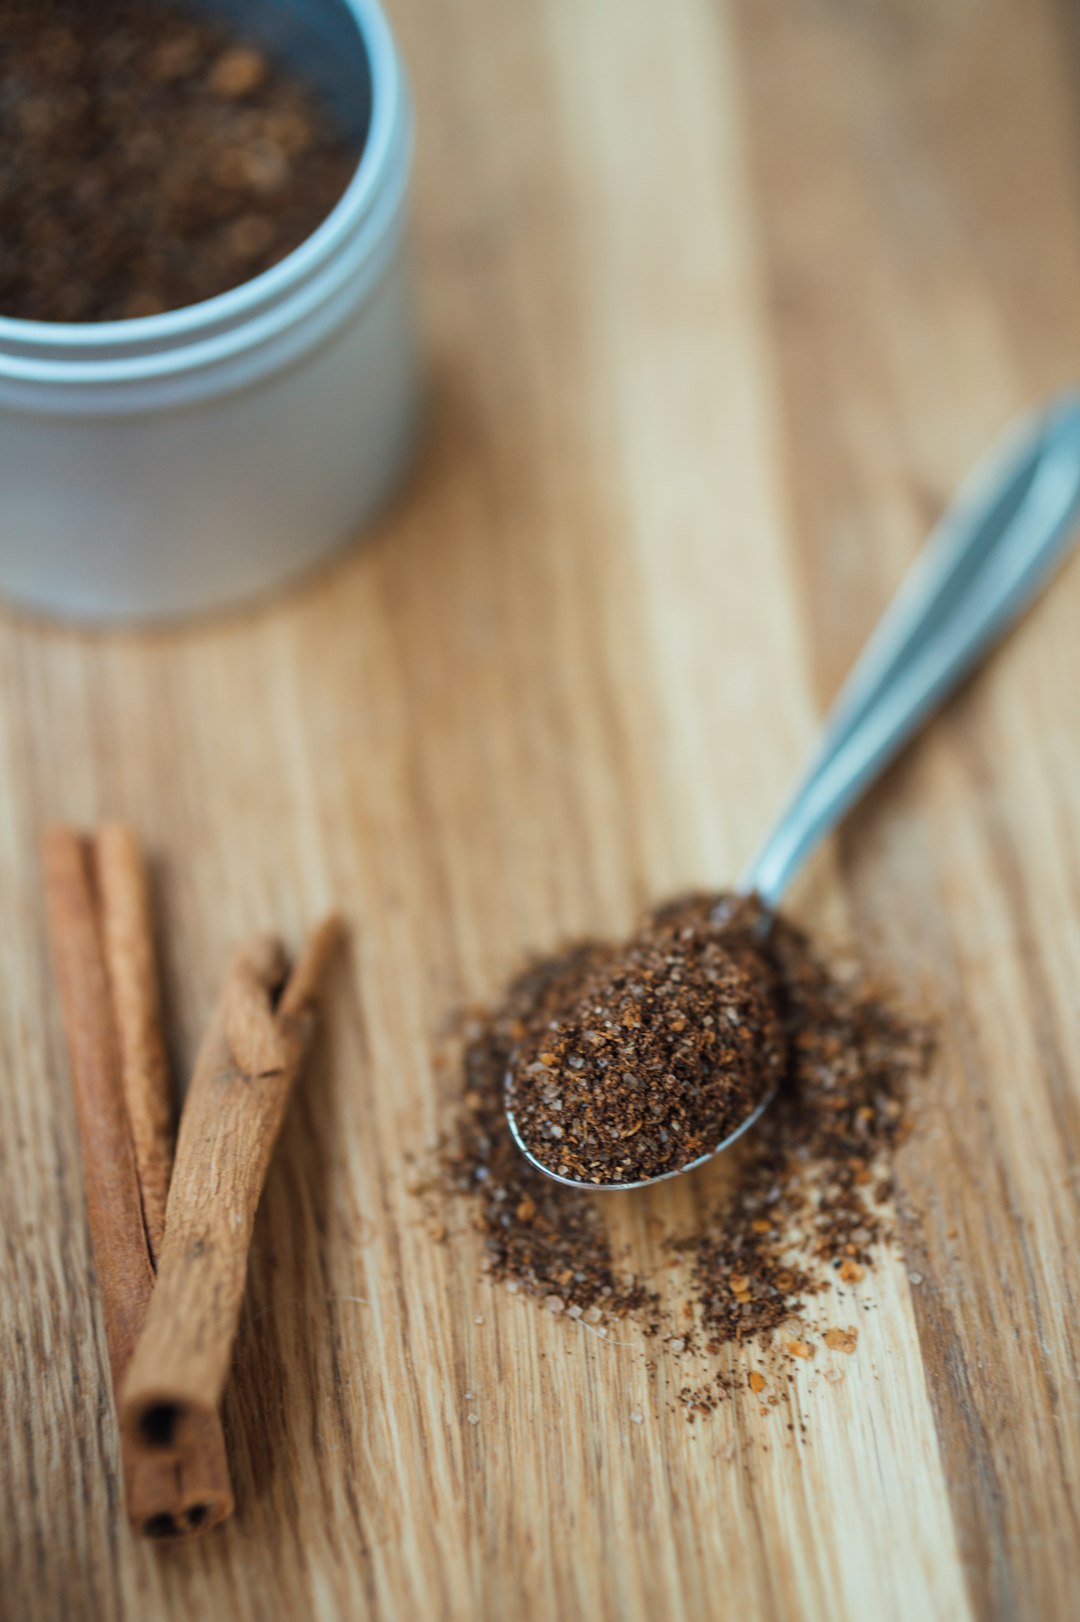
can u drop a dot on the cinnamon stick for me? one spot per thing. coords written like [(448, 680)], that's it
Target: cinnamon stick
[(127, 927), (254, 1048), (191, 1492)]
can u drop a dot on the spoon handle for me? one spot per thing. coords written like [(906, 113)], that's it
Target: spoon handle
[(994, 550)]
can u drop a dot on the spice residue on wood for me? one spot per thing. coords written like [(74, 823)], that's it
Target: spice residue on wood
[(149, 159), (803, 1200)]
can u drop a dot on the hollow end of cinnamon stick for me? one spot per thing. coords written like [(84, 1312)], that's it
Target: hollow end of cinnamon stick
[(165, 1426), (178, 1482), (175, 1497), (193, 1521), (171, 1500), (162, 1423)]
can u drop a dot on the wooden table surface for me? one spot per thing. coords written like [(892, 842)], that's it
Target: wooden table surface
[(721, 297)]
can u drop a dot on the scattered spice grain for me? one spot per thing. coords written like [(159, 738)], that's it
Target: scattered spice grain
[(841, 1340)]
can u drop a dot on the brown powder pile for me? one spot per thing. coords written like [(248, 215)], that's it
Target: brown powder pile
[(809, 1180), (540, 1236), (809, 1195), (149, 159), (636, 1060)]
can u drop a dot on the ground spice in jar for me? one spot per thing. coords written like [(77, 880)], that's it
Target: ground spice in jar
[(149, 159), (642, 1058), (802, 1199)]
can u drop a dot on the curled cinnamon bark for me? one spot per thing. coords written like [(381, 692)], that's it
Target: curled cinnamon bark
[(128, 935), (191, 1492), (257, 1041)]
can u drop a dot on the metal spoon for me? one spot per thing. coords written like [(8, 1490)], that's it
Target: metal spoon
[(1008, 528)]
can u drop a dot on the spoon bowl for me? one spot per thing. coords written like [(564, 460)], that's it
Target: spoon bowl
[(643, 1182)]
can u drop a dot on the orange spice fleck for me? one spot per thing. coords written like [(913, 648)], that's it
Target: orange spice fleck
[(756, 1380), (851, 1272), (841, 1340), (798, 1348)]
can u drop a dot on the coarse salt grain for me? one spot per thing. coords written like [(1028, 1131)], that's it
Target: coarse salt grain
[(915, 1278), (478, 1319), (474, 1419), (637, 1419)]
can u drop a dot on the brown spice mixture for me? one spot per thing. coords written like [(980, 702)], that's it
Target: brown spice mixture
[(805, 1203), (807, 1199), (542, 1237), (644, 1057), (149, 159)]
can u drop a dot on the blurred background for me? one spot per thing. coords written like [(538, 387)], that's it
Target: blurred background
[(716, 302)]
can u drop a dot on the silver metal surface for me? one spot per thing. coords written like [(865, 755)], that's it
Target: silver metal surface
[(1009, 527)]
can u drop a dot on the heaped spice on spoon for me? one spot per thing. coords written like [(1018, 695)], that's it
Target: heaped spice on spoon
[(644, 1057), (150, 158), (798, 1203)]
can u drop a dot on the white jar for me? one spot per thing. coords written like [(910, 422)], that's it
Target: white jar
[(179, 462)]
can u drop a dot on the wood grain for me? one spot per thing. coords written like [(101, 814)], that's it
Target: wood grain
[(720, 300)]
